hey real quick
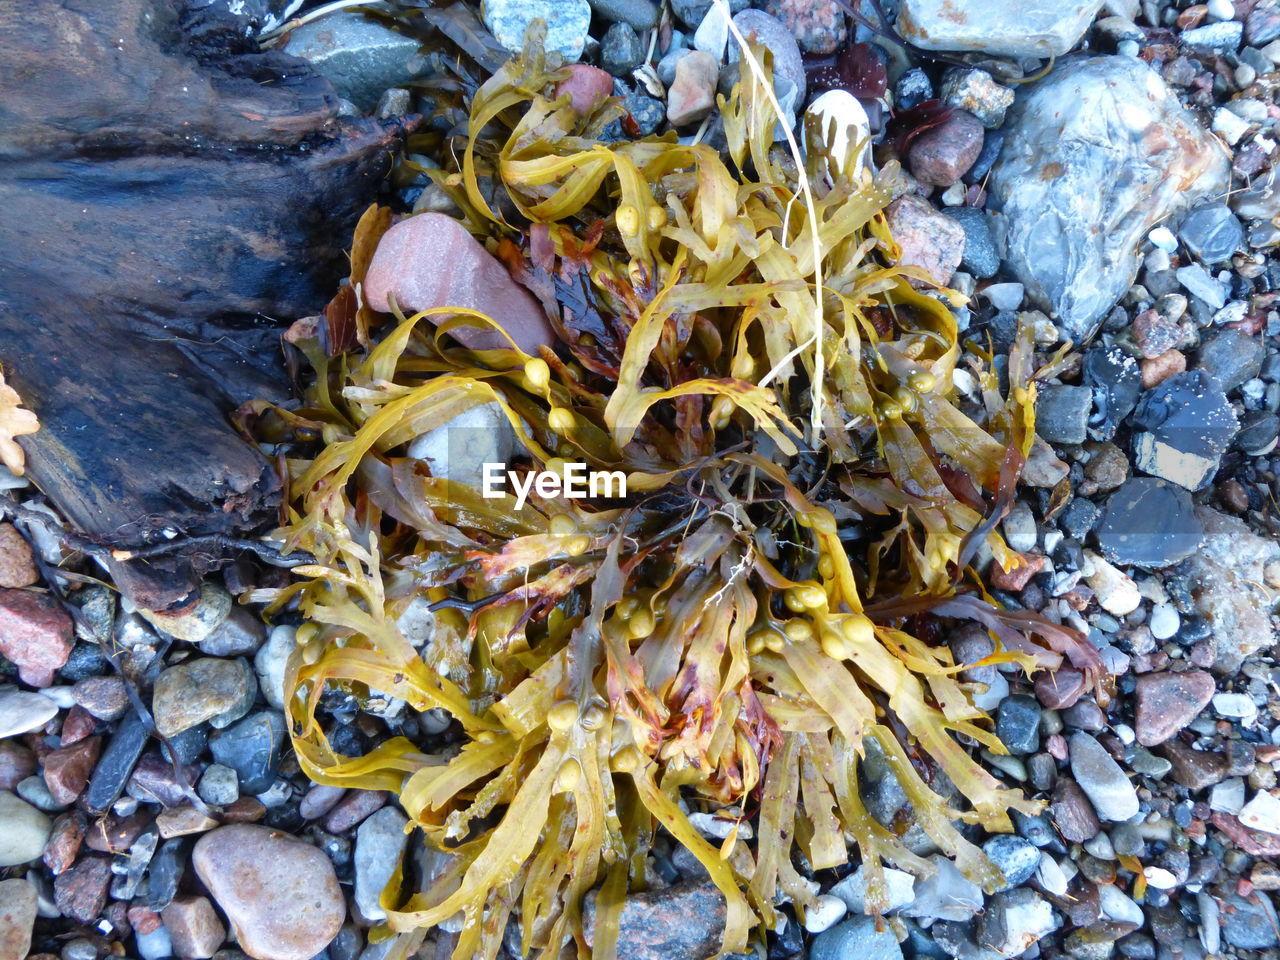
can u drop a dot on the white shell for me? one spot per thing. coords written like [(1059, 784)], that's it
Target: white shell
[(844, 126)]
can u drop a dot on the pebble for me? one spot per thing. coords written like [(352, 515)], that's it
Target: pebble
[(1149, 523), (980, 257), (219, 785), (1227, 796), (319, 800), (1062, 413), (405, 267), (199, 690), (975, 26), (1117, 906), (567, 25), (1014, 920), (1059, 689), (17, 562), (26, 831), (361, 56), (1261, 813), (818, 25), (67, 769), (458, 449), (81, 892), (621, 50), (1250, 923), (105, 697), (252, 749), (693, 89), (1115, 590), (380, 841), (975, 92), (1231, 358), (1222, 37), (1167, 702), (1212, 233), (21, 711), (943, 154), (1236, 706), (154, 944), (1018, 724), (1100, 777), (1199, 283), (116, 764), (239, 635), (195, 931), (280, 894), (927, 238), (18, 904), (271, 661), (35, 634), (912, 89), (1015, 857), (824, 914), (194, 625), (852, 890), (1164, 621), (856, 937), (946, 895), (1185, 425)]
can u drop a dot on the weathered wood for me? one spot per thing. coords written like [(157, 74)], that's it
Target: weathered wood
[(168, 196)]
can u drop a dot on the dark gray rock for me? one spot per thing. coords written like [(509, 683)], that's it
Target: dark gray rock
[(1116, 380), (1071, 220), (1062, 413), (637, 14), (1016, 857), (621, 50), (1231, 357), (980, 257), (1212, 232), (116, 764), (167, 868), (912, 89), (1149, 523), (251, 748), (1258, 432), (360, 56), (1186, 425), (1018, 724), (855, 938), (1079, 517)]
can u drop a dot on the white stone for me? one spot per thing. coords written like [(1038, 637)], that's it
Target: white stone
[(842, 124), (713, 32), (946, 895), (1229, 125), (1227, 796), (18, 903), (1238, 706), (1050, 875), (1160, 878), (852, 890), (1163, 238), (1221, 9), (826, 911), (1116, 592), (1262, 813), (997, 691), (1164, 621), (21, 711), (1019, 527), (155, 945), (458, 450), (25, 831), (380, 841), (1020, 28), (270, 662)]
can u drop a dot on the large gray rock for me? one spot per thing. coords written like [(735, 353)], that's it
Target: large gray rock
[(1016, 28), (1096, 153), (360, 56)]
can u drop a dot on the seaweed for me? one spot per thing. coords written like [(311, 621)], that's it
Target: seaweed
[(805, 493)]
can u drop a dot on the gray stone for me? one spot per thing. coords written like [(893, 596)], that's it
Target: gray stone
[(270, 663), (912, 89), (858, 938), (1022, 28), (567, 23), (1186, 425), (1231, 358), (380, 841), (199, 690), (21, 711), (252, 749), (219, 785), (360, 56), (1200, 284), (852, 890), (637, 14), (1062, 413), (758, 27), (1249, 923), (25, 832), (239, 635), (980, 257), (1223, 37), (946, 895), (1015, 857), (1018, 724), (1101, 778), (1212, 232), (975, 91), (1149, 523), (621, 50), (1096, 154), (458, 450)]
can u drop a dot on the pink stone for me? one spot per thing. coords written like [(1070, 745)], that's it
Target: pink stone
[(927, 238), (430, 260), (1059, 689), (35, 634), (194, 927), (693, 91), (587, 87)]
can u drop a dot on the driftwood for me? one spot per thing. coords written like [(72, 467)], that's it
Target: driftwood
[(168, 196)]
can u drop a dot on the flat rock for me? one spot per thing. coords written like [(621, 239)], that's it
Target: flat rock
[(203, 689), (21, 711), (17, 917), (26, 830), (1101, 778), (1149, 523), (1021, 28), (1071, 226), (408, 266), (758, 27), (1186, 425), (1014, 920), (252, 749), (36, 634), (280, 893), (1167, 702), (81, 892)]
